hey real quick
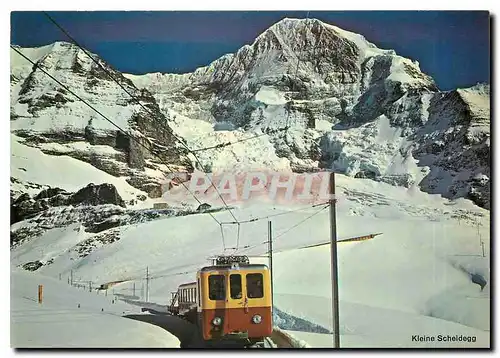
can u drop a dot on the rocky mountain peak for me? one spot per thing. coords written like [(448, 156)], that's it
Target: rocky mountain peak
[(347, 105), (44, 112)]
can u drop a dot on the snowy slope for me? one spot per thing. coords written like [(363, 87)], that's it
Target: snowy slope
[(414, 166), (65, 61), (414, 275), (32, 165), (59, 323), (334, 91), (54, 118)]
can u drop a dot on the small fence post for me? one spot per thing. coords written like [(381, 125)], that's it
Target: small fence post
[(40, 294)]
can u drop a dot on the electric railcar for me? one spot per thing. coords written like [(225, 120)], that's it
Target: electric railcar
[(229, 300)]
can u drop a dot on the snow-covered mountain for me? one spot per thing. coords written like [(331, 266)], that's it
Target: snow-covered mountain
[(325, 97), (48, 117), (414, 164), (350, 106)]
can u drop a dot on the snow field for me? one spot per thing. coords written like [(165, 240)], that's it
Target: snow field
[(412, 279), (31, 164), (59, 322)]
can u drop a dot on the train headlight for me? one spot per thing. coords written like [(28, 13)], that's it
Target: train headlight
[(217, 321), (256, 319)]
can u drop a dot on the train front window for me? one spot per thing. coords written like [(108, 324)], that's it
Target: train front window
[(255, 286), (235, 283), (216, 287)]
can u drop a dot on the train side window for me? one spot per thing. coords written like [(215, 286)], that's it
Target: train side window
[(255, 286), (199, 294), (235, 284), (216, 287)]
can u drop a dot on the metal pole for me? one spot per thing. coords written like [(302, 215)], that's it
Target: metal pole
[(71, 279), (147, 284), (134, 289), (333, 244), (270, 238)]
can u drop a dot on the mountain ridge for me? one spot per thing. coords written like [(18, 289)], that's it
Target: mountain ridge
[(306, 76)]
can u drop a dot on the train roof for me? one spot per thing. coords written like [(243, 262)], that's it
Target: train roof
[(229, 267), (188, 284)]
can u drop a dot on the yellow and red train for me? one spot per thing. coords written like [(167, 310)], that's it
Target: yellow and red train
[(230, 300)]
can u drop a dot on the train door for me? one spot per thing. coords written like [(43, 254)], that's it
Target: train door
[(238, 302)]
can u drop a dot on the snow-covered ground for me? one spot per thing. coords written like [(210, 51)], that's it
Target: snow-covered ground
[(255, 153), (31, 165), (74, 318), (414, 279)]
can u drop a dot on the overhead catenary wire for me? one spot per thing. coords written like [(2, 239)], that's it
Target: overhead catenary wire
[(169, 129), (300, 222), (325, 205), (245, 248), (157, 275), (220, 145), (227, 144), (153, 116), (222, 234), (237, 240), (287, 230), (273, 215), (265, 218), (145, 108), (108, 120), (180, 140), (107, 72)]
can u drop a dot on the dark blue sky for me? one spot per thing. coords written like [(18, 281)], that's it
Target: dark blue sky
[(452, 47)]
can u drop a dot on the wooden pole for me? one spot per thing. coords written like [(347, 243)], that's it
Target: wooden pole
[(270, 238), (40, 294)]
